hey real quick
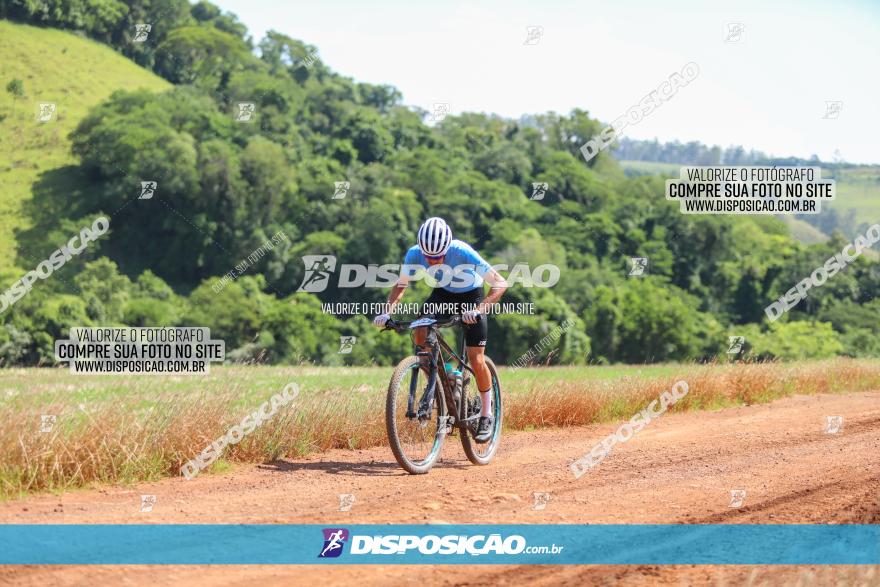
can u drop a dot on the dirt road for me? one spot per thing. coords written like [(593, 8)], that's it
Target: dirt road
[(680, 469)]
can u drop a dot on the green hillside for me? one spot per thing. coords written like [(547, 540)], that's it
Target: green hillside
[(55, 66), (858, 188), (236, 183), (802, 231)]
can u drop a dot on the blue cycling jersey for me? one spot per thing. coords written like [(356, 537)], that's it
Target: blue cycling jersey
[(461, 271)]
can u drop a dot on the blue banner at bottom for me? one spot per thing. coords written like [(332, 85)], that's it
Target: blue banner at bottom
[(623, 544)]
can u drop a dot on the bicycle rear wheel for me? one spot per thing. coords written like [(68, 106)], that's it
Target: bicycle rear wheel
[(481, 454), (416, 444)]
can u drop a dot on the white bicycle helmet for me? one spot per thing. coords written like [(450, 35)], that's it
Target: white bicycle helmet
[(435, 236)]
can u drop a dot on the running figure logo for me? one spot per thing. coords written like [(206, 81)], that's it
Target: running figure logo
[(47, 111), (639, 264), (246, 111), (47, 422), (346, 344), (441, 110), (334, 540), (318, 270), (533, 35), (834, 424), (735, 344), (341, 189), (539, 188), (310, 59), (148, 188), (346, 500), (444, 424), (147, 503), (141, 32), (737, 497), (734, 32), (832, 109), (541, 500)]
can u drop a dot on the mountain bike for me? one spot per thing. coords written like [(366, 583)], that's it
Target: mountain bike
[(418, 419)]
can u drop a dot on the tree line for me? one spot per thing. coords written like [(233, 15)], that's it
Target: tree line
[(224, 186)]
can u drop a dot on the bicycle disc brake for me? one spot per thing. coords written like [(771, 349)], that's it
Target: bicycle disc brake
[(426, 406)]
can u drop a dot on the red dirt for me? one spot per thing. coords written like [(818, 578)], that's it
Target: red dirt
[(679, 469)]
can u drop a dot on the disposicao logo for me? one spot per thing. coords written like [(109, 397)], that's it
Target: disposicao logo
[(334, 540), (410, 544), (319, 268)]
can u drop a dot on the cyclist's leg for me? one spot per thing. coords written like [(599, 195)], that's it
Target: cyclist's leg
[(477, 359), (475, 337)]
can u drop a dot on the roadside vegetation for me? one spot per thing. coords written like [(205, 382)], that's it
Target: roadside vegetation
[(118, 429)]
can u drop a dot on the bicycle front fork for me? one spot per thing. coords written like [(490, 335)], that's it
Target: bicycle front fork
[(427, 401)]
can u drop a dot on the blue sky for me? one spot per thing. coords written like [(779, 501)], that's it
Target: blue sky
[(767, 91)]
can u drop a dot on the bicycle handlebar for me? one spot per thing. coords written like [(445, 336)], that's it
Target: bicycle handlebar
[(404, 326)]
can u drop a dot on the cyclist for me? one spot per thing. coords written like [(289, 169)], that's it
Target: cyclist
[(463, 289)]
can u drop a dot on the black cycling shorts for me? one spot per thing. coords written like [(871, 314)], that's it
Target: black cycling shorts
[(474, 334)]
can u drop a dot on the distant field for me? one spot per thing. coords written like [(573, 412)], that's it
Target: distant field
[(858, 188), (650, 168), (55, 66), (120, 428), (803, 231)]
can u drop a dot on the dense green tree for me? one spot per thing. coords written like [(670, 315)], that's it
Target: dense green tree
[(99, 18), (104, 290), (201, 55), (642, 321), (791, 340), (204, 249)]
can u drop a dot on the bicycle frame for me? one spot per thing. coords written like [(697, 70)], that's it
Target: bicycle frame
[(436, 346)]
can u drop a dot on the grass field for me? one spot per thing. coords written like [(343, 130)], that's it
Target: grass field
[(858, 188), (122, 428), (650, 168), (44, 387), (60, 67)]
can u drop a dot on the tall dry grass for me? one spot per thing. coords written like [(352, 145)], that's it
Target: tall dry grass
[(119, 442), (714, 386)]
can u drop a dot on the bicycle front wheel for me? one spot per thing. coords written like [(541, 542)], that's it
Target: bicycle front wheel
[(481, 454), (416, 444)]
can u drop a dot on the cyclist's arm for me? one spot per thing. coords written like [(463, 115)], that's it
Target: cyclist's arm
[(396, 293), (498, 285)]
